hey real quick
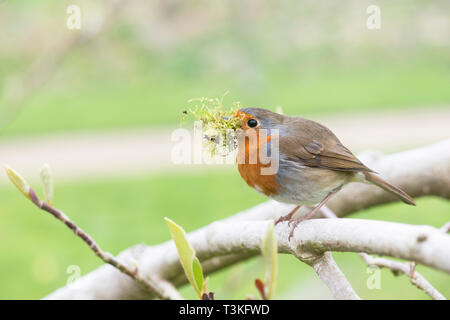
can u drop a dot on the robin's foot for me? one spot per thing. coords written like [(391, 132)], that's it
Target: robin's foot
[(287, 217), (312, 213), (295, 223)]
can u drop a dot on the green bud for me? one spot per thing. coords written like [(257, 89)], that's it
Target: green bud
[(20, 183), (47, 183)]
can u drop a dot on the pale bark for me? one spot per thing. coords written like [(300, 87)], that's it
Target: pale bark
[(420, 172), (423, 244), (407, 268)]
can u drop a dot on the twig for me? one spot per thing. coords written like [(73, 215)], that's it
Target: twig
[(397, 267), (161, 288), (406, 268)]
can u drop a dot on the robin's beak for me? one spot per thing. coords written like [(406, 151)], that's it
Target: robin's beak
[(240, 115)]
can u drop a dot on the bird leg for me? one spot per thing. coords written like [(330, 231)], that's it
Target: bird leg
[(312, 213), (287, 217)]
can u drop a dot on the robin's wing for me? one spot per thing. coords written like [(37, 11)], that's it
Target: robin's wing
[(314, 145)]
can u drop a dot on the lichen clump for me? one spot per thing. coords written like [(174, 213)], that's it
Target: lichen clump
[(219, 125)]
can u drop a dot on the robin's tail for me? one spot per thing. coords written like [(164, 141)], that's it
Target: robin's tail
[(375, 179)]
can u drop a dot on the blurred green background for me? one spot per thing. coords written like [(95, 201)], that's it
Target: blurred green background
[(136, 66)]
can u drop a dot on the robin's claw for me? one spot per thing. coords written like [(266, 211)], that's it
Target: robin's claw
[(291, 234), (287, 217), (296, 223), (283, 218)]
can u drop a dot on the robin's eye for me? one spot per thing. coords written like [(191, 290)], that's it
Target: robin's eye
[(252, 123)]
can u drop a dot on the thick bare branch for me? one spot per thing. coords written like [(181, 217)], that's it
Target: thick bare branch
[(311, 240), (420, 172), (328, 271)]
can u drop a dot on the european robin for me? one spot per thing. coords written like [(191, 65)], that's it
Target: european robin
[(313, 164)]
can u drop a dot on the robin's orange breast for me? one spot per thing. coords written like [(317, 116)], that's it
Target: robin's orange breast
[(251, 172)]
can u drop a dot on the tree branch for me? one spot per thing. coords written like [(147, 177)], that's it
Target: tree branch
[(161, 288), (328, 271), (311, 239), (406, 268), (429, 165), (397, 267)]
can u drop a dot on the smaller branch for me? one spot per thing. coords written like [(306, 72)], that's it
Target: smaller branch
[(161, 288), (329, 272), (397, 267), (406, 268)]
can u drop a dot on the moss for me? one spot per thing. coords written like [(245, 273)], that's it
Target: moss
[(315, 247), (219, 124)]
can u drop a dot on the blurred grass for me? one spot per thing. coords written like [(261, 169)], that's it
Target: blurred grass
[(36, 249), (154, 90), (299, 56)]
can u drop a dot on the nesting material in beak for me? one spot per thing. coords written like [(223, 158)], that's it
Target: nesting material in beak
[(218, 124)]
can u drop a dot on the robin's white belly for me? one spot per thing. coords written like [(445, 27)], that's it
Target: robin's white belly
[(303, 185)]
